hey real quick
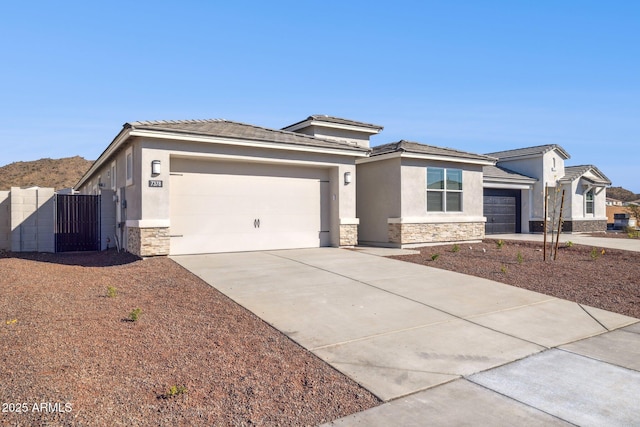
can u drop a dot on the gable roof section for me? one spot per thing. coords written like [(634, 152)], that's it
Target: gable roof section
[(529, 152), (323, 119), (587, 172), (498, 174), (230, 132), (415, 149)]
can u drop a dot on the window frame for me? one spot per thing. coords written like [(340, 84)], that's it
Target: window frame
[(444, 191), (113, 175), (128, 159), (589, 202)]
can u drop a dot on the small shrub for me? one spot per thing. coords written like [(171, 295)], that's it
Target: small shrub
[(112, 292), (519, 257), (503, 269), (632, 232), (434, 257), (176, 390), (595, 253), (135, 314), (569, 244), (500, 243), (456, 248)]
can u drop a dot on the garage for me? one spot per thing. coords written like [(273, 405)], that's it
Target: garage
[(502, 210), (220, 206)]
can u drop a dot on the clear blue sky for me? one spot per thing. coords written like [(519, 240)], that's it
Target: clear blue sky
[(477, 75)]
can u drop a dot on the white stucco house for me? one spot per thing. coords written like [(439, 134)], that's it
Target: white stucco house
[(207, 186), (514, 191)]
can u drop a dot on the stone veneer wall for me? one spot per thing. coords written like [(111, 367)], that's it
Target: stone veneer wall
[(442, 232), (148, 241), (348, 234), (586, 226)]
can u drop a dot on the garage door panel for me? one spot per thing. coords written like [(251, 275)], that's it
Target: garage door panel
[(502, 210), (225, 212)]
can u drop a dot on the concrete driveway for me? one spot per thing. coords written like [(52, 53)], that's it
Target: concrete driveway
[(437, 345)]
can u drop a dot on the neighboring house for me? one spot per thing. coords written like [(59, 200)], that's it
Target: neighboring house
[(199, 186), (523, 202), (411, 193), (613, 202)]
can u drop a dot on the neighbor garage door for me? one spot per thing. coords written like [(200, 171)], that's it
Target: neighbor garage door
[(232, 206), (502, 210)]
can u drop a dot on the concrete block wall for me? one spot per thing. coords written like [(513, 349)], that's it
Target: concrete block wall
[(5, 221), (32, 219)]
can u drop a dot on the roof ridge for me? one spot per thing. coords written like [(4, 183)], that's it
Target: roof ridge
[(174, 122)]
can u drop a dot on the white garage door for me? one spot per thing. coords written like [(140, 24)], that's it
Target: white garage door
[(230, 207)]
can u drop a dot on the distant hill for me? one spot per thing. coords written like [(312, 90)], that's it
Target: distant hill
[(620, 193), (57, 173)]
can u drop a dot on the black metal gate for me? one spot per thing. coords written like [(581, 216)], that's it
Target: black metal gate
[(502, 209), (77, 223)]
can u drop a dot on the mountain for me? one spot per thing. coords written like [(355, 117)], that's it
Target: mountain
[(622, 194), (57, 173)]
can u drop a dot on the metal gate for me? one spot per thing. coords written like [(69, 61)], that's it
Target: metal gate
[(77, 225)]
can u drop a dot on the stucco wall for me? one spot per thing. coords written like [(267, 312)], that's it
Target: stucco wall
[(392, 203), (414, 186), (379, 198)]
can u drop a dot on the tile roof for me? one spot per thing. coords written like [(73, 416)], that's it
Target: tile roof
[(571, 173), (498, 173), (235, 130), (418, 148), (337, 120), (528, 151)]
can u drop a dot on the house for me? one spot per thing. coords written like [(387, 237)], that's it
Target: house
[(515, 189), (410, 193), (206, 186)]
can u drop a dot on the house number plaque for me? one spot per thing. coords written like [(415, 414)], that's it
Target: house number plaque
[(155, 183)]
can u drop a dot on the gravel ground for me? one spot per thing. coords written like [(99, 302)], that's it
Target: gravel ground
[(70, 354), (609, 280)]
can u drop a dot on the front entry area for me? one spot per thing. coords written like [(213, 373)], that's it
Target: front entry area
[(502, 209), (237, 206)]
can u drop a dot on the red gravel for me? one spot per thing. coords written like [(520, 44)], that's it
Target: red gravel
[(609, 280), (65, 343)]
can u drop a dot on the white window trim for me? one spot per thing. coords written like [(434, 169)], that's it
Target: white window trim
[(593, 203), (129, 169), (444, 191), (113, 175)]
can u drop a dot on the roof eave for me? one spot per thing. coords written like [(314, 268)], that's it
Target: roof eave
[(422, 156)]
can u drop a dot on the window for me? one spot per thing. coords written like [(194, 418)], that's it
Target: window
[(589, 202), (129, 163), (444, 190), (113, 176)]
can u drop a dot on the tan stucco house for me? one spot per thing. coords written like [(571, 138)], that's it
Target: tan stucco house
[(411, 193), (207, 186)]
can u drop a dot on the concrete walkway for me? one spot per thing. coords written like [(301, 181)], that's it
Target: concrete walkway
[(440, 347), (580, 239)]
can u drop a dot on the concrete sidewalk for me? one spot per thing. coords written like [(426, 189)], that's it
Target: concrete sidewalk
[(580, 239), (440, 347)]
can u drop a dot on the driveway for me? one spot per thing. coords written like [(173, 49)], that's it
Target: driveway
[(438, 345)]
